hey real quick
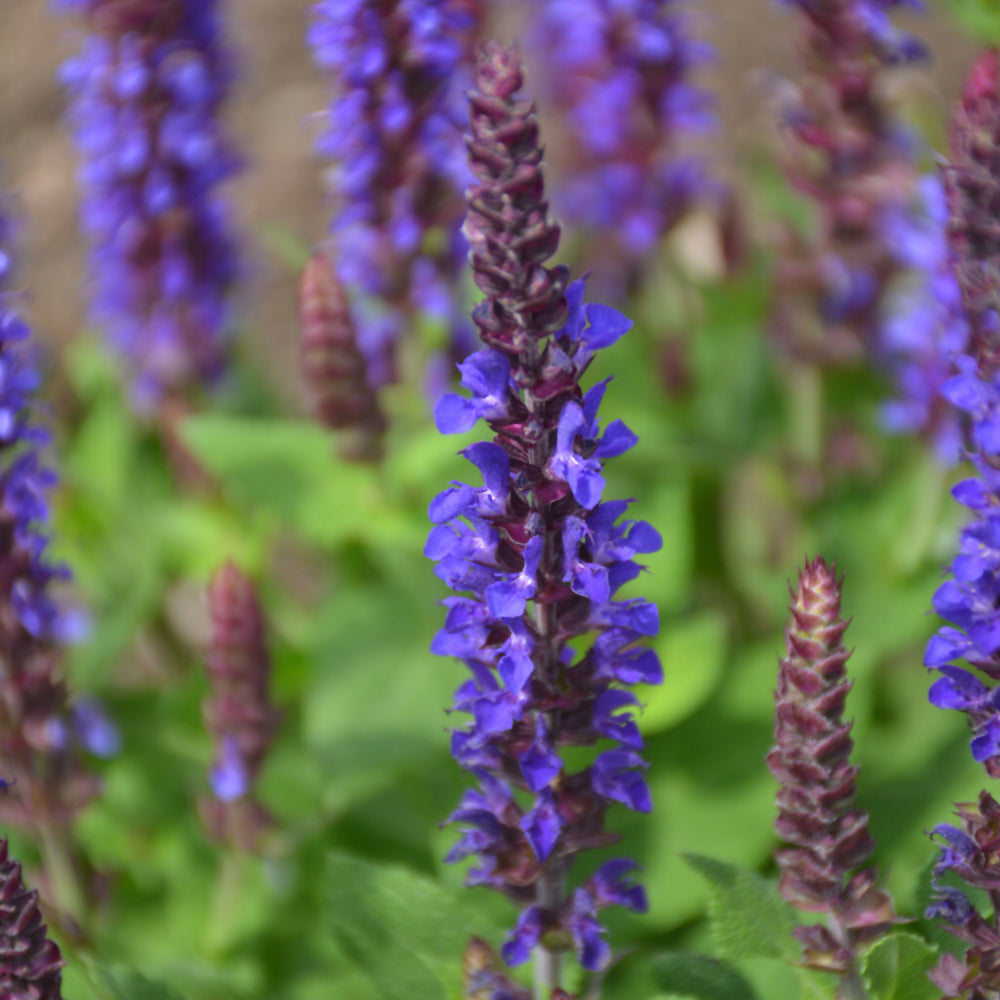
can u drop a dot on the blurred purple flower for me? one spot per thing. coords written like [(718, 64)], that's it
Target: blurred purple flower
[(146, 91)]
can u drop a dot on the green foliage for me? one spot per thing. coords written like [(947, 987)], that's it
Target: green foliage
[(981, 17), (699, 978), (896, 968), (405, 932), (749, 918)]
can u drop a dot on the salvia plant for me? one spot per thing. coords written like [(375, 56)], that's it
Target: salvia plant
[(292, 672)]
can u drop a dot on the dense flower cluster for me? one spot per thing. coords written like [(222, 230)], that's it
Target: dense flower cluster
[(38, 731), (334, 371), (878, 279), (620, 75), (238, 713), (968, 601), (537, 558), (972, 852), (146, 91), (30, 962), (399, 70), (972, 179), (821, 870)]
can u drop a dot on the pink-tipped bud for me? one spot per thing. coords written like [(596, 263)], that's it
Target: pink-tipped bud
[(827, 836)]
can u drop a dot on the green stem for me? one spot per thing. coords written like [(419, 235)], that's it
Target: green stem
[(805, 412), (67, 893), (225, 899)]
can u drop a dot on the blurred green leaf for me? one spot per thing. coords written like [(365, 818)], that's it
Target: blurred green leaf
[(896, 968), (693, 653), (749, 918), (406, 932), (119, 982), (700, 978), (981, 17)]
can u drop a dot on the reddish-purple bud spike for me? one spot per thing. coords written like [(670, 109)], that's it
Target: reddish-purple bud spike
[(238, 713), (334, 370), (972, 182), (817, 817), (30, 964), (507, 224)]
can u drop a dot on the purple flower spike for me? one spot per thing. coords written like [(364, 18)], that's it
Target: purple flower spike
[(969, 852), (878, 281), (619, 72), (40, 735), (398, 73), (238, 714), (146, 93), (828, 844), (537, 559)]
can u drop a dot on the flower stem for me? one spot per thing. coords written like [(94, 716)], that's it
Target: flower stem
[(549, 892), (228, 885)]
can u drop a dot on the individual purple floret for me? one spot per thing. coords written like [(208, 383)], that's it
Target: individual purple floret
[(146, 91), (828, 846), (876, 281), (537, 558), (399, 70), (38, 734), (969, 851), (619, 73)]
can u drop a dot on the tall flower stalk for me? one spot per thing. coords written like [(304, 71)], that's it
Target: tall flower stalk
[(239, 714), (146, 92), (40, 733), (535, 557), (620, 74), (398, 71), (824, 867), (969, 601), (876, 281)]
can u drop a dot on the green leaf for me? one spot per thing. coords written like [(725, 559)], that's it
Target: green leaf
[(896, 968), (749, 918), (119, 982), (404, 931), (981, 17), (693, 654), (700, 978)]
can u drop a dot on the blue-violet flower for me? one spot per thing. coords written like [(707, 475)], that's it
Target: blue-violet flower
[(399, 70), (537, 557), (146, 91), (619, 72)]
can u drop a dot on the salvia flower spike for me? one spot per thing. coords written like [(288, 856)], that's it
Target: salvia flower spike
[(39, 735), (621, 76), (146, 92), (969, 600), (398, 70), (30, 962), (535, 558), (334, 370), (238, 713), (823, 866), (971, 851), (877, 281)]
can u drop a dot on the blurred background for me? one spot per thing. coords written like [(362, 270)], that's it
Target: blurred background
[(281, 189)]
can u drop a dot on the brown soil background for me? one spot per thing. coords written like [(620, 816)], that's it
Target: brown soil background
[(269, 113)]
